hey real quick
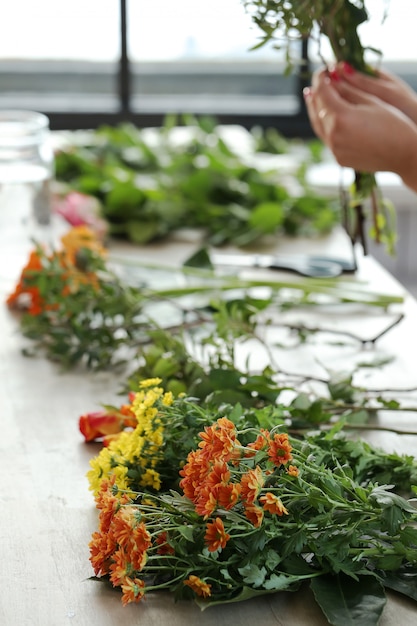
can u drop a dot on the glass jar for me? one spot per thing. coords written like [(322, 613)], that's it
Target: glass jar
[(26, 168)]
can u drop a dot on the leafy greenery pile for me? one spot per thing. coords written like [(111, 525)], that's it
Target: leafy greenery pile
[(150, 187)]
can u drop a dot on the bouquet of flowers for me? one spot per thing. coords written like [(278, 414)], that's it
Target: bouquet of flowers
[(223, 505)]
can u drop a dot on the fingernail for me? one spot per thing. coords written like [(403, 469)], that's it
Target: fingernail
[(334, 76), (307, 93), (347, 68)]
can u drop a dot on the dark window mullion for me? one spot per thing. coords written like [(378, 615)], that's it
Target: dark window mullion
[(124, 80)]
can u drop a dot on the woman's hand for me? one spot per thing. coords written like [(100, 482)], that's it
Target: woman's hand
[(384, 85), (362, 130)]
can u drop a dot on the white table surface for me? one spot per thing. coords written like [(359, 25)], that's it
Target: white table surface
[(48, 514)]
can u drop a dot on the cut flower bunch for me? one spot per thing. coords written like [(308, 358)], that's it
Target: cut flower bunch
[(236, 506), (280, 22)]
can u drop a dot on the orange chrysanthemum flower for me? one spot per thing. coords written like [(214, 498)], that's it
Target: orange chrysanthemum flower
[(140, 537), (228, 495), (133, 537), (119, 569), (273, 504), (279, 449), (198, 586), (194, 474), (108, 503), (102, 547), (163, 546), (206, 503), (133, 590), (252, 483), (254, 514), (108, 507), (24, 296), (219, 474), (260, 443), (216, 537), (219, 440), (210, 498), (138, 558), (123, 523), (293, 470)]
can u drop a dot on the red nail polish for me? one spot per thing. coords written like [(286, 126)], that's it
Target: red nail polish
[(334, 76), (347, 68)]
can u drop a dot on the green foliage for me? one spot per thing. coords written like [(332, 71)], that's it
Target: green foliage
[(281, 22), (150, 187)]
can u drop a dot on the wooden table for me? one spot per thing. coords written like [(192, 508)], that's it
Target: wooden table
[(47, 513)]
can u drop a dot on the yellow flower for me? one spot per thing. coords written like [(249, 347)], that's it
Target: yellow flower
[(140, 450), (150, 382), (120, 474), (100, 469), (167, 398), (152, 479)]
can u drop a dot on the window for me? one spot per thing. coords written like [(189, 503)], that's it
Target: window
[(196, 58), (86, 63), (104, 61)]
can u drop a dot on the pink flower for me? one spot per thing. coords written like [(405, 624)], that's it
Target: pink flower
[(80, 209)]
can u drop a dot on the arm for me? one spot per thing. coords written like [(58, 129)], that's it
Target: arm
[(362, 131)]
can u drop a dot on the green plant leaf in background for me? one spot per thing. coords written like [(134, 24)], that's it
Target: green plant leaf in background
[(149, 187)]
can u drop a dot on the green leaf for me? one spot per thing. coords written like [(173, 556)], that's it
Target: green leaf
[(390, 562), (266, 217), (141, 232), (186, 532), (280, 582), (301, 402), (224, 379), (346, 602), (408, 535), (200, 259), (340, 387), (379, 362), (124, 199), (386, 498), (357, 417), (252, 574), (272, 559), (404, 582)]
